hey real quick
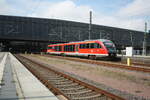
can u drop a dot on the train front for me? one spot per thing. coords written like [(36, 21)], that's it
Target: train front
[(109, 45)]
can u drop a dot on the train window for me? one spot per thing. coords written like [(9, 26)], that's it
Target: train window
[(97, 45), (72, 48), (108, 44), (57, 48), (69, 48), (92, 45), (82, 46), (87, 45), (65, 48), (77, 47), (49, 48)]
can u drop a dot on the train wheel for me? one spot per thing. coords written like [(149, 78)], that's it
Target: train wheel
[(92, 57), (62, 54)]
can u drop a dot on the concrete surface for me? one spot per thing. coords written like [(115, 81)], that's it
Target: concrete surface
[(3, 57), (8, 88), (17, 83)]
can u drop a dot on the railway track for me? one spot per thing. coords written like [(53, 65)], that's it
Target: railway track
[(107, 64), (138, 64), (141, 64), (62, 84)]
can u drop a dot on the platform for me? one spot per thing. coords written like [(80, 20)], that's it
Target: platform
[(18, 83)]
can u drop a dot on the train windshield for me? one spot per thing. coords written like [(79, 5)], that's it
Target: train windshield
[(109, 45)]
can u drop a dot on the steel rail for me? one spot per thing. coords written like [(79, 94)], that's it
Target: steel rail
[(107, 64), (110, 96)]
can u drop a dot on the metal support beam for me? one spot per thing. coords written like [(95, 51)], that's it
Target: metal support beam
[(144, 42), (90, 25)]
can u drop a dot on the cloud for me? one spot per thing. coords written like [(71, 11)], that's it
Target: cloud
[(5, 8), (136, 8), (67, 10), (115, 21)]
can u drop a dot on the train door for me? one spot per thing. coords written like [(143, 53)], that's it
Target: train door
[(77, 47)]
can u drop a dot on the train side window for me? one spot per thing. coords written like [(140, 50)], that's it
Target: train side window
[(81, 46), (69, 48), (92, 45), (87, 45), (59, 48), (77, 47), (55, 47), (73, 48), (65, 48), (97, 45), (84, 46), (49, 48)]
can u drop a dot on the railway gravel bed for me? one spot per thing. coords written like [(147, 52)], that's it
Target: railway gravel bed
[(124, 94), (144, 61), (105, 63), (138, 61), (62, 84)]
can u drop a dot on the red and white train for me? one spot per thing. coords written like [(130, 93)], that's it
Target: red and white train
[(89, 48)]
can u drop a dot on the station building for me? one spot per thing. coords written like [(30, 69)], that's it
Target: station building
[(28, 34)]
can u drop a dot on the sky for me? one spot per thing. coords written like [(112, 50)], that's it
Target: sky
[(127, 14)]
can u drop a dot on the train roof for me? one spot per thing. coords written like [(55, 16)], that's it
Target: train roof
[(102, 40)]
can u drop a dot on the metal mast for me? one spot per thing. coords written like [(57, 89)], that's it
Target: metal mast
[(131, 37), (144, 42), (90, 25)]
